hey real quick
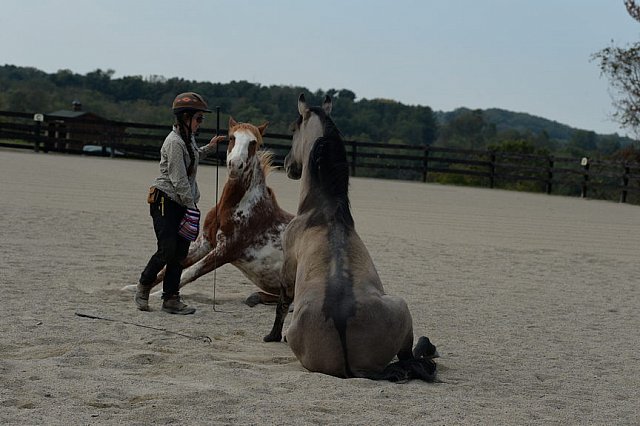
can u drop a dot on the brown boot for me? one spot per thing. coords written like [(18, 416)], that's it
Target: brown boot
[(142, 296), (173, 305)]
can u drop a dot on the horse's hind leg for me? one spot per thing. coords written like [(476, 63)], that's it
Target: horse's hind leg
[(416, 364), (425, 349)]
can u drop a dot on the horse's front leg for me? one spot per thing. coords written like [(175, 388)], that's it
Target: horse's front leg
[(197, 250), (281, 313), (212, 260), (287, 291)]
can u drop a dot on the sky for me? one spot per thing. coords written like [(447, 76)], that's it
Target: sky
[(531, 56)]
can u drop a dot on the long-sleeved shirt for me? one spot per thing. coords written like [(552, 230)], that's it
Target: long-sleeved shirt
[(174, 162)]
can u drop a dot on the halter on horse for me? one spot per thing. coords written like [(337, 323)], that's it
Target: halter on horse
[(343, 323), (246, 225)]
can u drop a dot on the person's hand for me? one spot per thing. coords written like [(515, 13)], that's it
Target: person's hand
[(216, 140)]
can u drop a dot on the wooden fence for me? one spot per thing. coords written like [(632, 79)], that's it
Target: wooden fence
[(560, 175)]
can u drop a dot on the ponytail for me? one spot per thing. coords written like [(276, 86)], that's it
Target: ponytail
[(183, 122)]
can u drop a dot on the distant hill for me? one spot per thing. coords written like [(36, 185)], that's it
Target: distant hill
[(523, 122)]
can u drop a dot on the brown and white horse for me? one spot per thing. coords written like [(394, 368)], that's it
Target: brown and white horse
[(343, 323), (246, 225)]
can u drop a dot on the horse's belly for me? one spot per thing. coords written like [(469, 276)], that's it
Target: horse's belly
[(262, 267)]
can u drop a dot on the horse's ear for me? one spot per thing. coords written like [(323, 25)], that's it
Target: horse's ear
[(302, 105), (232, 122), (327, 105), (263, 127)]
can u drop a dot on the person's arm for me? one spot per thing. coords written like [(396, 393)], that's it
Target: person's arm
[(177, 170), (211, 146)]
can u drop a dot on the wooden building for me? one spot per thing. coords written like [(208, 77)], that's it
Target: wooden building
[(72, 130)]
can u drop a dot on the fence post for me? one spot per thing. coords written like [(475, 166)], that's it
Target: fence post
[(103, 141), (625, 184), (492, 169), (112, 144), (585, 165), (425, 164), (354, 154), (550, 175), (38, 118)]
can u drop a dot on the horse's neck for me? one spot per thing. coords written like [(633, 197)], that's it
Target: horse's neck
[(306, 194), (252, 182), (323, 193)]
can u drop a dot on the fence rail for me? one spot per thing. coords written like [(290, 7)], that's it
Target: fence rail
[(562, 175)]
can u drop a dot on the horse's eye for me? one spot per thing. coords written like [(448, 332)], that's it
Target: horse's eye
[(253, 143)]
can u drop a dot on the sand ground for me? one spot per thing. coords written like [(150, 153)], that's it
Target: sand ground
[(531, 299)]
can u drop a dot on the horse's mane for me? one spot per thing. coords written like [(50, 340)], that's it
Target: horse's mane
[(266, 161), (330, 171), (330, 129)]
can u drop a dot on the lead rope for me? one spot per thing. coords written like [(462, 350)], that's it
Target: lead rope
[(215, 261)]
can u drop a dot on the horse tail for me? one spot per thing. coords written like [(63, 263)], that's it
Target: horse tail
[(339, 303), (342, 332)]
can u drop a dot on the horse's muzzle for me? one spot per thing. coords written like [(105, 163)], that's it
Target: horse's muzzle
[(236, 168), (294, 171)]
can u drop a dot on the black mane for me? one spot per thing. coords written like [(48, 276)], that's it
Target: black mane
[(329, 170)]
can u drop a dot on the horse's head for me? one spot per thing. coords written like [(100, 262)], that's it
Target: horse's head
[(244, 141), (309, 126)]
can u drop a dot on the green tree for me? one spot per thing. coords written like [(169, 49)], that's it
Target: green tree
[(621, 65), (468, 129)]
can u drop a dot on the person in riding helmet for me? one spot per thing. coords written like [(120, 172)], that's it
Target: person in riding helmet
[(173, 198)]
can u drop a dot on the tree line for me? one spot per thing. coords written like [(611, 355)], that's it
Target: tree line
[(148, 100)]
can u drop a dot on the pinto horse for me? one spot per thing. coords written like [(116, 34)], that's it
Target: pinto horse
[(343, 323), (245, 227)]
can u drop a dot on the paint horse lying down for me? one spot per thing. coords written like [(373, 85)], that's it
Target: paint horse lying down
[(343, 323), (246, 225)]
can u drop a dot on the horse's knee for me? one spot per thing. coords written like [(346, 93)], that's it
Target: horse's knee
[(253, 300), (261, 298)]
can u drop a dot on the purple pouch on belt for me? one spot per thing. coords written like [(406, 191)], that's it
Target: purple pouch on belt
[(190, 225)]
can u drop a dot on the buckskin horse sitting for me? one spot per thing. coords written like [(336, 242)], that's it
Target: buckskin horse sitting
[(343, 323), (245, 226)]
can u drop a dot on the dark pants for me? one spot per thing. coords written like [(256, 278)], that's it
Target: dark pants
[(172, 248)]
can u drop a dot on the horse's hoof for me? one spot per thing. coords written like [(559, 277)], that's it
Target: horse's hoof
[(272, 337), (425, 349), (253, 300), (131, 288)]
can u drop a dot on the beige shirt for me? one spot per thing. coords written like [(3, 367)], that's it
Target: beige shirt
[(174, 162)]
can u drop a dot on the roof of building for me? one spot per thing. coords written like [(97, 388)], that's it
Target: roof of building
[(65, 113)]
